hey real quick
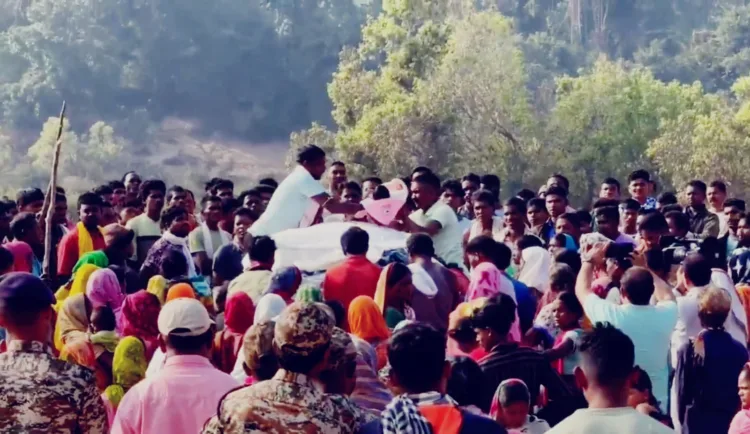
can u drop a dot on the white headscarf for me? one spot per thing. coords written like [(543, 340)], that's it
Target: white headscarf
[(269, 307), (535, 270)]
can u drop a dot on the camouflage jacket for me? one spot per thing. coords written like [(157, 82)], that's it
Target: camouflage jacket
[(288, 403), (40, 393)]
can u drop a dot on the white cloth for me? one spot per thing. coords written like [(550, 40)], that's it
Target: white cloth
[(609, 421), (208, 240), (269, 307), (736, 324), (448, 240), (288, 203), (497, 229), (422, 280), (319, 247), (535, 268), (156, 363), (650, 328), (688, 324), (182, 242)]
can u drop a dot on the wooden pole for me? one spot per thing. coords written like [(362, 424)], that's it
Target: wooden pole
[(50, 201)]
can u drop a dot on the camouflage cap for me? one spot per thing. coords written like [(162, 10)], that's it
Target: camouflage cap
[(258, 342), (342, 350), (302, 328)]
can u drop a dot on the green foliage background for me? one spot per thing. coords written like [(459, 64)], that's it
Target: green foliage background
[(521, 88)]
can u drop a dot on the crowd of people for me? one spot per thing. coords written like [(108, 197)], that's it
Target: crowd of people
[(162, 314)]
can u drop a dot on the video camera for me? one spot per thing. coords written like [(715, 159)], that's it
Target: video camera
[(675, 250)]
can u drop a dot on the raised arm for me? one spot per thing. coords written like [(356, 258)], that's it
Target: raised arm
[(595, 256), (335, 206)]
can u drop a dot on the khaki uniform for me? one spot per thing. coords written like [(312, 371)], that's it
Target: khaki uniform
[(42, 394), (287, 404)]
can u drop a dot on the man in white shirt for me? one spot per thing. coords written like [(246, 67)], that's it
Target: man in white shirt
[(295, 194), (717, 195), (649, 327), (435, 218), (605, 374)]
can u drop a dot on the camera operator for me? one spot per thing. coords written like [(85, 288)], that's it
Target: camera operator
[(679, 225), (703, 223), (651, 228)]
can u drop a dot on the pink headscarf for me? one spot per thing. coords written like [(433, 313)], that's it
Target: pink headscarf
[(103, 289), (140, 313), (22, 255), (488, 281)]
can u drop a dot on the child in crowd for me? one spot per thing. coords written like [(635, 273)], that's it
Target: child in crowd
[(741, 422), (104, 339), (564, 354), (511, 406), (642, 398)]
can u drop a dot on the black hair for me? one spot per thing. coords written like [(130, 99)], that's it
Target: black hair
[(473, 178), (502, 256), (609, 353), (210, 198), (609, 213), (490, 181), (563, 180), (209, 185), (103, 189), (698, 185), (513, 391), (174, 191), (638, 285), (464, 331), (6, 259), (309, 154), (122, 240), (584, 216), (525, 195), (719, 185), (374, 180), (654, 222), (224, 184), (465, 380), (103, 318), (527, 241), (190, 344), (381, 192), (398, 272), (420, 244), (151, 185), (454, 186), (339, 311), (631, 205), (639, 174), (26, 196), (666, 209), (570, 301), (252, 215), (572, 218), (497, 314), (680, 219), (563, 276), (269, 182), (612, 181), (601, 203), (263, 249), (355, 241), (428, 178), (170, 214), (571, 258), (416, 354), (173, 264), (518, 203), (22, 224), (698, 269), (642, 383), (537, 203), (229, 205), (252, 192), (421, 169), (115, 185), (354, 186), (485, 196), (482, 245), (90, 199), (557, 191), (666, 198), (735, 203)]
